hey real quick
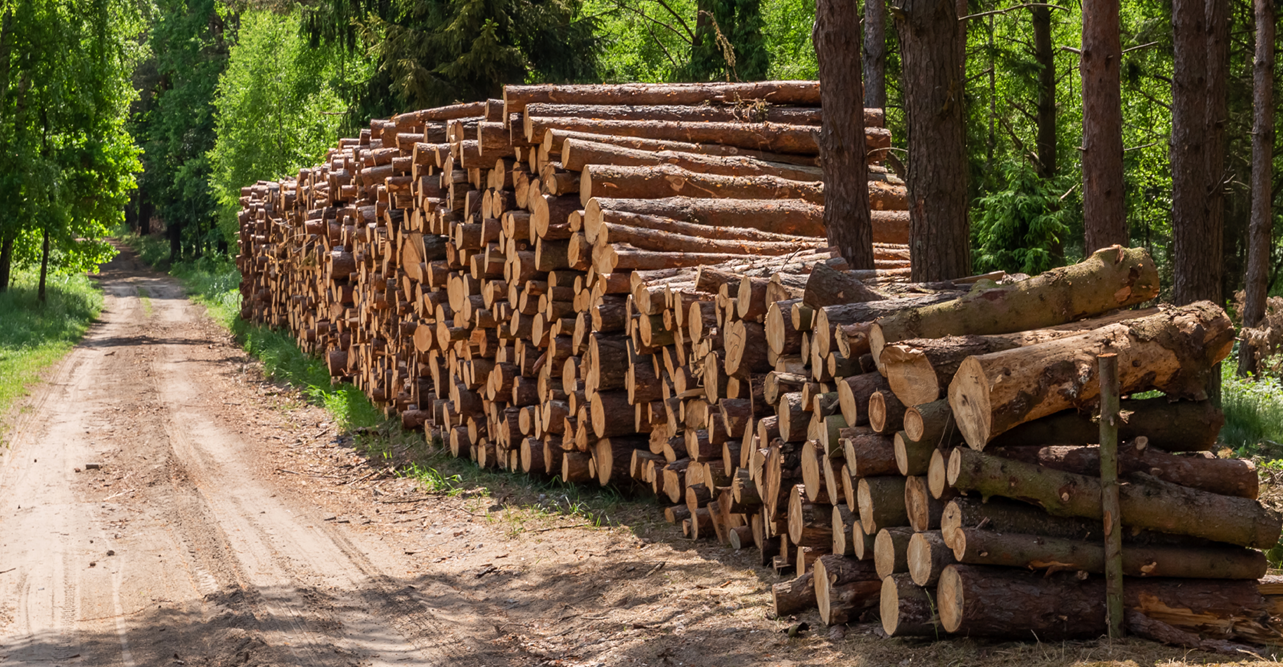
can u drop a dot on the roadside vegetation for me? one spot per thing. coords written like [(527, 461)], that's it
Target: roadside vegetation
[(34, 335)]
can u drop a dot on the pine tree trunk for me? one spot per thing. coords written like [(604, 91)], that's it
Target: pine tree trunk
[(1260, 232), (1045, 55), (842, 148), (874, 59), (44, 265), (1104, 217), (1195, 238), (6, 260), (931, 45)]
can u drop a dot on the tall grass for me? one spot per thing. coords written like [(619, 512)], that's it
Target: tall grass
[(1253, 413), (34, 335), (212, 281)]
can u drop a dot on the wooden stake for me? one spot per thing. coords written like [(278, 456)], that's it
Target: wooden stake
[(1109, 493)]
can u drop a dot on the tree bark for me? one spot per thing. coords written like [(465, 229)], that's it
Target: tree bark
[(1104, 217), (1146, 501), (874, 59), (669, 181), (836, 35), (6, 260), (934, 91), (919, 370), (1181, 426), (980, 601), (881, 501), (783, 93), (44, 264), (691, 113), (928, 555), (1036, 552), (1173, 351), (577, 154), (786, 216), (1260, 233), (1227, 477), (845, 588), (890, 551), (907, 609), (791, 597), (1045, 55), (1109, 279), (1196, 240)]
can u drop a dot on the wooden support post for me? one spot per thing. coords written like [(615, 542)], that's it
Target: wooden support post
[(1109, 493)]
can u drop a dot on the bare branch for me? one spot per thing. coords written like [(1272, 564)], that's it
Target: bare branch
[(1137, 48), (689, 40)]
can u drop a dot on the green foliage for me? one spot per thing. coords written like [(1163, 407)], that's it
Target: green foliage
[(174, 119), (434, 53), (1253, 413), (1019, 228), (66, 161), (788, 39), (34, 335), (278, 106), (728, 44)]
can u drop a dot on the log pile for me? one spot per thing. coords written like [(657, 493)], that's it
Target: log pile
[(630, 285)]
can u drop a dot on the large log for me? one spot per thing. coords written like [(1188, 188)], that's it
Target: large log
[(919, 369), (770, 137), (603, 180), (1179, 426), (1111, 278), (845, 588), (1229, 477), (703, 113), (576, 154), (554, 139), (1173, 351), (907, 609), (791, 597), (788, 216), (1036, 552), (1147, 502), (980, 601), (784, 93), (927, 556)]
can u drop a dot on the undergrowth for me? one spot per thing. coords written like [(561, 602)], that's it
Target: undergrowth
[(35, 335)]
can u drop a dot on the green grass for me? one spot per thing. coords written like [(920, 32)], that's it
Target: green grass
[(212, 282), (33, 336), (1253, 414)]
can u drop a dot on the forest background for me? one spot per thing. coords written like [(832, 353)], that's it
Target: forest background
[(155, 112)]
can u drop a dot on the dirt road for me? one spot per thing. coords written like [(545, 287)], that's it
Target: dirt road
[(161, 504)]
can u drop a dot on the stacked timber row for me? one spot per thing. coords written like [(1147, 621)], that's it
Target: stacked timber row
[(629, 285), (958, 479)]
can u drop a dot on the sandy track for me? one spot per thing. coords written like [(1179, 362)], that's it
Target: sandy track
[(174, 549)]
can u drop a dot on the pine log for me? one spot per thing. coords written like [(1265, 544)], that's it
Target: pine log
[(923, 509), (1111, 278), (1173, 351), (854, 393), (788, 216), (771, 137), (845, 588), (882, 503), (919, 369), (553, 140), (980, 601), (704, 113), (600, 180), (1146, 501), (842, 523), (611, 220), (576, 154), (927, 556), (1180, 426), (1229, 477), (827, 286), (886, 412), (669, 240), (783, 93), (907, 610), (868, 454), (794, 596), (1036, 552), (890, 551), (862, 543)]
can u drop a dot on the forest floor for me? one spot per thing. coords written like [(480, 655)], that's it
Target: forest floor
[(161, 503)]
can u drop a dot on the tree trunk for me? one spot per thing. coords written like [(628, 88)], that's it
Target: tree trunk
[(907, 609), (1037, 552), (1109, 279), (669, 181), (1196, 240), (770, 137), (791, 597), (44, 264), (692, 113), (6, 260), (874, 60), (836, 35), (1045, 55), (1146, 501), (1260, 239), (1228, 477), (577, 154), (928, 555), (868, 454), (845, 588), (1104, 217), (890, 551), (782, 93), (1181, 426), (1173, 351), (881, 502), (934, 91), (1003, 602)]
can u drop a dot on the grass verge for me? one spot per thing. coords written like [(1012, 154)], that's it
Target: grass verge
[(1253, 414), (34, 335)]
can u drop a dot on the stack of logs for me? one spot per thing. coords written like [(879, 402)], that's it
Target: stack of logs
[(630, 285)]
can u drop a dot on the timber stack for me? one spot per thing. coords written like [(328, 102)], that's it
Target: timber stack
[(630, 285)]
